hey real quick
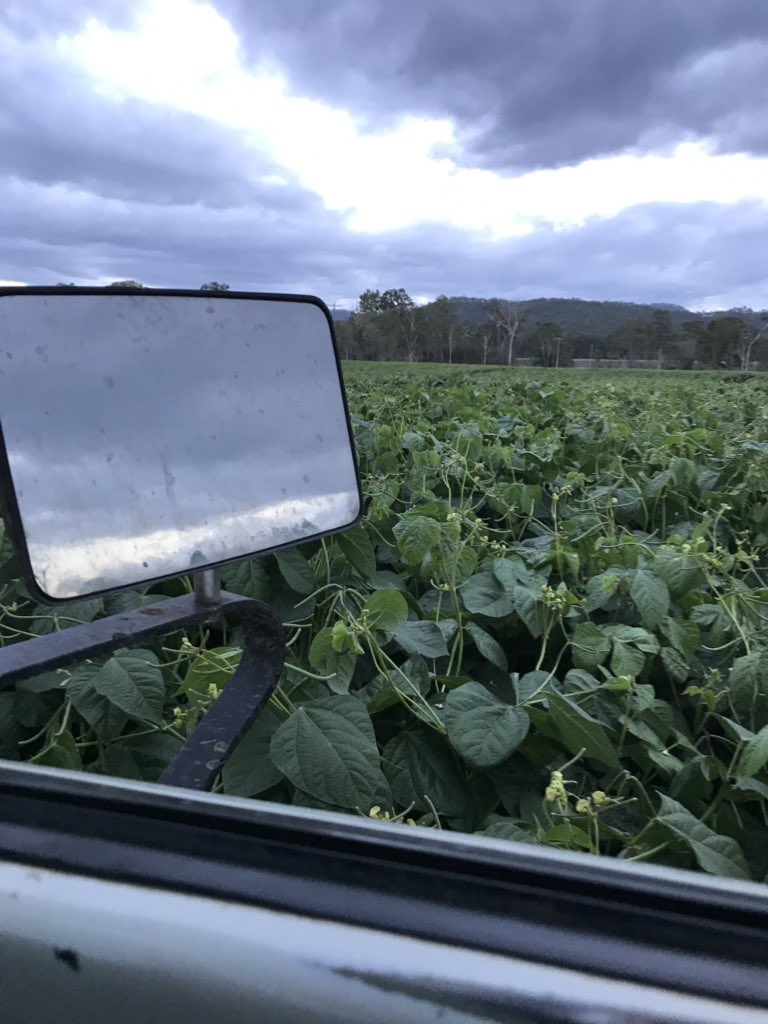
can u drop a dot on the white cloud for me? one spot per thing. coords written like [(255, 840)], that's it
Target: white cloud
[(183, 54)]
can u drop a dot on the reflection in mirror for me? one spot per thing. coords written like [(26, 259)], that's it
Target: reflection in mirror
[(150, 435)]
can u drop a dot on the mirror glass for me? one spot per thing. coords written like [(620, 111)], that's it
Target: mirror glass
[(149, 435)]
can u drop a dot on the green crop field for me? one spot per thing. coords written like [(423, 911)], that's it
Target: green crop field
[(550, 627)]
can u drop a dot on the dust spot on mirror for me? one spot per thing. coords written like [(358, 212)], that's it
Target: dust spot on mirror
[(68, 957)]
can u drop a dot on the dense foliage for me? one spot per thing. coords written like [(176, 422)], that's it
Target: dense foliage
[(551, 625), (550, 332)]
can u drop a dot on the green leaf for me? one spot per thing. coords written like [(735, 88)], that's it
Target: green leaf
[(482, 729), (529, 607), (327, 749), (416, 671), (718, 855), (295, 570), (630, 645), (635, 635), (106, 720), (532, 682), (511, 573), (683, 634), (133, 681), (413, 441), (448, 628), (734, 730), (482, 800), (120, 763), (508, 830), (248, 578), (10, 729), (754, 756), (420, 764), (33, 710), (684, 473), (384, 691), (747, 679), (129, 601), (250, 770), (715, 619), (490, 649), (675, 664), (378, 694), (679, 572), (387, 611), (43, 683), (643, 697), (343, 638), (330, 662), (151, 753), (651, 596), (383, 579), (667, 762), (483, 594), (416, 536), (322, 653), (601, 590), (578, 731), (751, 786), (423, 638), (568, 835), (651, 740), (62, 753), (356, 547), (692, 784), (450, 562), (65, 615), (213, 667), (576, 679), (626, 660), (590, 647)]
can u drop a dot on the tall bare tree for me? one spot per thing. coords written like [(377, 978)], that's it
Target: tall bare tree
[(508, 318), (747, 340)]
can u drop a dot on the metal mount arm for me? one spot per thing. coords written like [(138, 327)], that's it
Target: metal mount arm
[(202, 757)]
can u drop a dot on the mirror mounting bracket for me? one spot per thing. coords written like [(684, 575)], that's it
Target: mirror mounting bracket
[(207, 584), (200, 760)]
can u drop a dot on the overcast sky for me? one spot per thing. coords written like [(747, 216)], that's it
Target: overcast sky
[(605, 149)]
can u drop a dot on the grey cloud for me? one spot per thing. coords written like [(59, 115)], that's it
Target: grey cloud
[(694, 254), (700, 255), (661, 253), (55, 129), (282, 240), (95, 190), (530, 84)]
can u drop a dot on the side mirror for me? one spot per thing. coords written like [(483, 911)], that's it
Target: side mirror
[(146, 434)]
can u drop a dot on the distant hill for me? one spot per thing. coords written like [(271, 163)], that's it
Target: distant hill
[(577, 316), (341, 314)]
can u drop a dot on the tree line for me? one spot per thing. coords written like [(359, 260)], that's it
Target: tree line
[(388, 325)]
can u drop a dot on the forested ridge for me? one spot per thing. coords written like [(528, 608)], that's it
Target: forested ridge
[(389, 325)]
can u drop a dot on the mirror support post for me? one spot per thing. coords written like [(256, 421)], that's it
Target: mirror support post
[(207, 586)]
